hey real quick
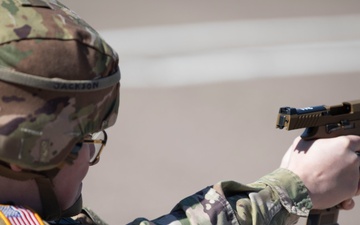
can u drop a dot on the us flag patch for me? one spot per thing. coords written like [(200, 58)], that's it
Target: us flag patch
[(17, 215)]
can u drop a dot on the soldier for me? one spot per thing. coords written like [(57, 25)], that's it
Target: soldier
[(59, 91)]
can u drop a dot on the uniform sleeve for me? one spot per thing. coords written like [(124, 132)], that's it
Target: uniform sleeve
[(277, 198)]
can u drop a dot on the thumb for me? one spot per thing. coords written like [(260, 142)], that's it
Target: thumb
[(347, 204)]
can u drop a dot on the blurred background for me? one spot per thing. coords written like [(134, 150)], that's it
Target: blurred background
[(202, 83)]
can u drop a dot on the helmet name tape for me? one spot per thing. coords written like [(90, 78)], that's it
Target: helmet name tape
[(57, 84)]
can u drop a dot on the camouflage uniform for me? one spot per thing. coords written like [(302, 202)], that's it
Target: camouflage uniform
[(59, 82), (277, 198), (10, 214)]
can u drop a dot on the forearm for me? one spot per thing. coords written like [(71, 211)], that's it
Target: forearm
[(277, 198)]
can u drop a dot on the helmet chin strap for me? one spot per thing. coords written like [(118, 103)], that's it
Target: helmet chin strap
[(51, 209)]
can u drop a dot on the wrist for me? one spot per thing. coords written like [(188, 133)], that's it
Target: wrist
[(292, 192)]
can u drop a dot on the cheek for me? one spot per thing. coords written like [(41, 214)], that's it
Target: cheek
[(78, 169), (68, 182), (80, 166), (91, 150)]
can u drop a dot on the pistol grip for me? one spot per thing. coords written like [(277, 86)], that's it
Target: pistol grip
[(323, 217)]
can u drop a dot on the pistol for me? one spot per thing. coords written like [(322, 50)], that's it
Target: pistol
[(322, 122)]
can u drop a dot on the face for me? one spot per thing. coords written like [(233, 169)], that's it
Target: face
[(67, 184)]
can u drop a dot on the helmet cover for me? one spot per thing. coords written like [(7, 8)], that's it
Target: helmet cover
[(52, 69)]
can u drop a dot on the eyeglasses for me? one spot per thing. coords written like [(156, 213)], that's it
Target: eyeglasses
[(98, 141)]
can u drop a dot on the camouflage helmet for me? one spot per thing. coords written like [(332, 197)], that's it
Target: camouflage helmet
[(59, 81)]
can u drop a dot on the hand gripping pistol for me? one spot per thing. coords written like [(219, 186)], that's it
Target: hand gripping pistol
[(322, 122)]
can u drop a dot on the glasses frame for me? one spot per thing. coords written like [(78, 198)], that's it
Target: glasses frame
[(97, 141)]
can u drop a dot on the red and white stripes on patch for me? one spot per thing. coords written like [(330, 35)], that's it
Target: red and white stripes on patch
[(18, 215)]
